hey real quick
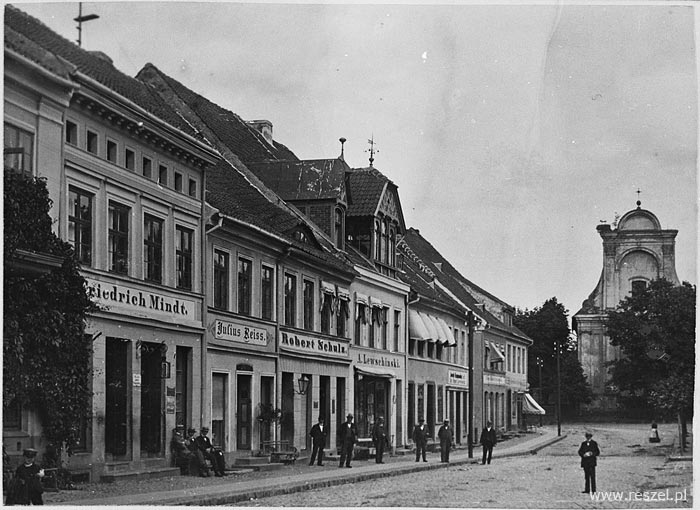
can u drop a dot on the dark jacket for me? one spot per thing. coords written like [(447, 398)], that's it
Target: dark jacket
[(348, 434), (488, 437), (590, 447), (445, 435), (379, 434), (420, 435), (319, 436), (203, 443)]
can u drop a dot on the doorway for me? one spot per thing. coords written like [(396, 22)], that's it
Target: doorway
[(267, 384), (117, 398), (244, 414), (219, 399), (430, 412), (151, 400)]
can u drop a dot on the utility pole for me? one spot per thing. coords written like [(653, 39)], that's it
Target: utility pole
[(470, 420), (81, 19), (558, 390)]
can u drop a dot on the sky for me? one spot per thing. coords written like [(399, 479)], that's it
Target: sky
[(511, 130)]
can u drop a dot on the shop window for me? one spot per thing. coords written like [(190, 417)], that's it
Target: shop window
[(308, 305), (411, 347), (267, 292), (119, 216), (182, 359), (440, 403), (220, 280), (80, 224), (153, 248), (290, 299), (71, 133), (91, 142), (111, 151), (245, 281), (18, 149), (147, 168), (129, 159), (420, 400), (183, 257)]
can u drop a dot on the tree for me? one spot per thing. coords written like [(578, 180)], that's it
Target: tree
[(46, 354), (655, 329), (548, 326)]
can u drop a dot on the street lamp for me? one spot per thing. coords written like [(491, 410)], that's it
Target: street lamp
[(303, 383)]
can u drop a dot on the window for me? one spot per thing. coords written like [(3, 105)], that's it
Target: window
[(147, 168), (153, 248), (326, 313), (339, 235), (183, 257), (162, 175), (91, 141), (290, 299), (421, 349), (111, 151), (71, 133), (439, 403), (178, 181), (397, 326), (359, 321), (18, 149), (411, 346), (438, 351), (392, 247), (385, 243), (80, 224), (377, 240), (129, 159), (267, 291), (118, 238), (638, 286), (384, 325), (308, 305), (431, 350), (193, 188), (342, 320), (374, 320), (244, 286), (12, 416), (220, 280)]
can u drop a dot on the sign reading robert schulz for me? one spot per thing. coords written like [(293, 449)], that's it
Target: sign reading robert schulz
[(225, 330), (311, 345)]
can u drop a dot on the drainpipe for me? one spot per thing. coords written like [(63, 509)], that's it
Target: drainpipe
[(408, 334), (205, 298), (470, 337)]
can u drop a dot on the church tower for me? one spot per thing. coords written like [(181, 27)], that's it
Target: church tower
[(635, 253)]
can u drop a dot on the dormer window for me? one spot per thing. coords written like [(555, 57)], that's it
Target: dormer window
[(339, 228), (300, 236)]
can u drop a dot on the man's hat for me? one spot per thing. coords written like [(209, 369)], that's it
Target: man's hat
[(30, 452), (447, 421), (588, 434), (350, 415), (204, 429), (191, 431), (420, 420), (320, 418)]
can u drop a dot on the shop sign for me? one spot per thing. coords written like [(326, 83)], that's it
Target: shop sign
[(455, 378), (236, 332), (306, 344), (495, 379), (127, 300), (377, 361)]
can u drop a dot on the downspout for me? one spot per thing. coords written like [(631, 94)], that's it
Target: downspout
[(205, 298), (408, 334)]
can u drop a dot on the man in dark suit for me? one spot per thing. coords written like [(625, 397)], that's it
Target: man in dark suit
[(318, 434), (589, 452), (445, 436), (420, 439), (348, 437), (488, 441), (380, 440), (214, 455)]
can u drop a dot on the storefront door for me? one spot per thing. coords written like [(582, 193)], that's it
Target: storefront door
[(244, 415), (219, 398), (117, 398), (151, 399)]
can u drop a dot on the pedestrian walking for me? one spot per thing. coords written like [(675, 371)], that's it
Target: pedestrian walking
[(420, 439), (380, 440), (215, 456), (26, 488), (445, 437), (589, 452), (488, 441), (318, 434), (348, 437)]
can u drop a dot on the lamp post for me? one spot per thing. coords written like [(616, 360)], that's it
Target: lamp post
[(303, 384), (558, 389)]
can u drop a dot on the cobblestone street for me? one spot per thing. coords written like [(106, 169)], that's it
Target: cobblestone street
[(551, 479)]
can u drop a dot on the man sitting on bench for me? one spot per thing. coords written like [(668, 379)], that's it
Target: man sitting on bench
[(215, 455)]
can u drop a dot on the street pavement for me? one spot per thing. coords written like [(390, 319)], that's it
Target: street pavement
[(516, 478)]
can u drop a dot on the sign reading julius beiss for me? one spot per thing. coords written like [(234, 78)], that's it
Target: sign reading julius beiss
[(142, 303), (310, 345), (235, 332)]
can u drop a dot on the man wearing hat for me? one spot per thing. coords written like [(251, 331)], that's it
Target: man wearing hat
[(215, 456), (488, 440), (420, 439), (588, 452), (318, 433), (380, 440), (26, 487), (445, 436), (348, 437)]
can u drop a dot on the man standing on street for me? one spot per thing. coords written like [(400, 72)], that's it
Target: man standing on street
[(445, 436), (380, 440), (588, 452), (318, 435), (348, 436), (488, 441), (420, 439)]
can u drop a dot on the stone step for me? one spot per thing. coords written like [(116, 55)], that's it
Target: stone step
[(140, 475), (251, 461)]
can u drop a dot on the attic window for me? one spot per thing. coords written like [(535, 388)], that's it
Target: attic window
[(300, 236)]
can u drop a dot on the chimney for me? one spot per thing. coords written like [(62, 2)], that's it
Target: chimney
[(264, 127)]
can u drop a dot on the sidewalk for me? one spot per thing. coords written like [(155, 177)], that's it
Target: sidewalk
[(281, 482)]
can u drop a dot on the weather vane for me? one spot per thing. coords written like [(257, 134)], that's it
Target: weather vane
[(372, 150), (82, 19)]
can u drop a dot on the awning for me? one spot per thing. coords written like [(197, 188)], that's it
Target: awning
[(448, 331), (496, 354), (374, 372), (433, 334), (530, 405), (416, 327)]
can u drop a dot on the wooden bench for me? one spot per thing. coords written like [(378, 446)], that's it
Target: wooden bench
[(280, 451)]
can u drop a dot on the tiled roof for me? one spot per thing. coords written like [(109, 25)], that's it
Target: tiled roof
[(92, 64), (247, 142), (420, 282), (24, 46), (304, 180), (366, 186)]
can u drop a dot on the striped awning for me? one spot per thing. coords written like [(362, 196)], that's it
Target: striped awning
[(530, 405), (431, 326), (496, 355), (416, 327), (448, 332)]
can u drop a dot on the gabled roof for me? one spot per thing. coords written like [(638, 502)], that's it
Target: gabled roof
[(304, 180), (93, 65), (247, 142), (366, 186), (27, 48)]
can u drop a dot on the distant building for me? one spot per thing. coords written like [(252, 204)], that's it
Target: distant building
[(635, 253)]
